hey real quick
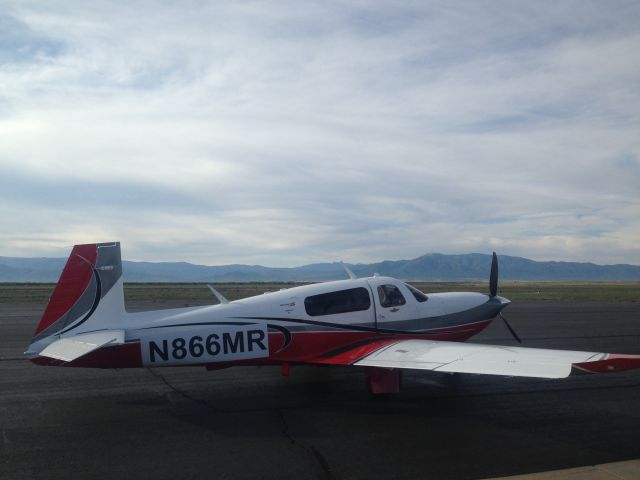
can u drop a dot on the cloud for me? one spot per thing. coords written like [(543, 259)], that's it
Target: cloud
[(19, 44), (310, 131)]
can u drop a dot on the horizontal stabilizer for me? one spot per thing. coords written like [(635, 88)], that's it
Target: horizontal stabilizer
[(456, 357), (71, 348)]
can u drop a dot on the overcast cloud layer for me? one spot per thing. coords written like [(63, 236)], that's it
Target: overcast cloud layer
[(292, 132)]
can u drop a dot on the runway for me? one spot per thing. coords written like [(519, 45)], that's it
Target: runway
[(251, 423)]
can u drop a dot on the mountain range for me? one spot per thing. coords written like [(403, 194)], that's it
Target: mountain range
[(430, 267)]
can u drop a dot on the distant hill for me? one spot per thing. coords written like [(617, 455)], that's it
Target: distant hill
[(431, 267)]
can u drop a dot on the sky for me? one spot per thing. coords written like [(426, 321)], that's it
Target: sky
[(292, 132)]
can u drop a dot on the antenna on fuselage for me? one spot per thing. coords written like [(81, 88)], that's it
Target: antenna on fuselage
[(221, 298), (352, 275)]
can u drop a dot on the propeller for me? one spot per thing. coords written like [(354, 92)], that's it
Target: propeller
[(493, 290), (513, 332), (493, 278)]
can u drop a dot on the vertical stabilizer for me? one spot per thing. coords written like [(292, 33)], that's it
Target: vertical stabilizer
[(89, 293)]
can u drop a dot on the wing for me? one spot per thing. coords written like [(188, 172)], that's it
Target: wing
[(71, 348), (457, 357)]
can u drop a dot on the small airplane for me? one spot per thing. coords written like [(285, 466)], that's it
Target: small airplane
[(379, 323)]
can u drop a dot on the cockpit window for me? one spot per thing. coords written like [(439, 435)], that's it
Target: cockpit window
[(390, 296), (342, 301), (421, 297)]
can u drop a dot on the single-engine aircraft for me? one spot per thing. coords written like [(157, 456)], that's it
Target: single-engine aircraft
[(379, 323)]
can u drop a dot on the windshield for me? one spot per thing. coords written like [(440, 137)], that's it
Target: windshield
[(419, 296)]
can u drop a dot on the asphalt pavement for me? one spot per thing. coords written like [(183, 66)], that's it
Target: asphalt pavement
[(320, 422)]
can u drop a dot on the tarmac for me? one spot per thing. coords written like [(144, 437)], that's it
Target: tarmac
[(320, 422)]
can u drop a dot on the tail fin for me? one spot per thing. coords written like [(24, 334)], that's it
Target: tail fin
[(88, 292)]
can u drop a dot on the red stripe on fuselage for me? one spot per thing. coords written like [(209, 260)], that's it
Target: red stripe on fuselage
[(465, 326), (330, 348), (313, 347)]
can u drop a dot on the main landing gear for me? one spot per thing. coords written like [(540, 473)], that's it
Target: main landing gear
[(382, 381)]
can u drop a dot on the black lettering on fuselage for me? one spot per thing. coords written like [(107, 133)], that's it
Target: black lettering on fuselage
[(162, 353), (212, 344), (190, 348), (255, 337), (232, 346)]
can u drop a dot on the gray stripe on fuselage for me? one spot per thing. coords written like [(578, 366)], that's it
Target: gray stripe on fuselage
[(483, 312)]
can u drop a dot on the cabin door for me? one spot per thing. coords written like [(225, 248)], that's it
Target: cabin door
[(394, 305)]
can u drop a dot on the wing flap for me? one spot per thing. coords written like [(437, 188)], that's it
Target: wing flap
[(456, 357), (70, 348)]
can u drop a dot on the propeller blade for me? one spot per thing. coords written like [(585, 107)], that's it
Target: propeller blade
[(513, 332), (493, 278)]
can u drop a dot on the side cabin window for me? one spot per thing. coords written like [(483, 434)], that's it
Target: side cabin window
[(419, 296), (390, 296), (342, 301)]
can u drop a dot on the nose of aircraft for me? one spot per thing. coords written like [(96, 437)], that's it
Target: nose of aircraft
[(503, 301), (484, 306), (499, 303)]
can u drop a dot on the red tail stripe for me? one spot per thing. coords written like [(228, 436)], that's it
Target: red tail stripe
[(73, 281)]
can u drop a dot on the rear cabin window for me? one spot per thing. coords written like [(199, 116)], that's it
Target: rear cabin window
[(390, 296), (419, 296), (342, 301)]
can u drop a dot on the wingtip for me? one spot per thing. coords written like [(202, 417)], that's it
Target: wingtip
[(612, 362)]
